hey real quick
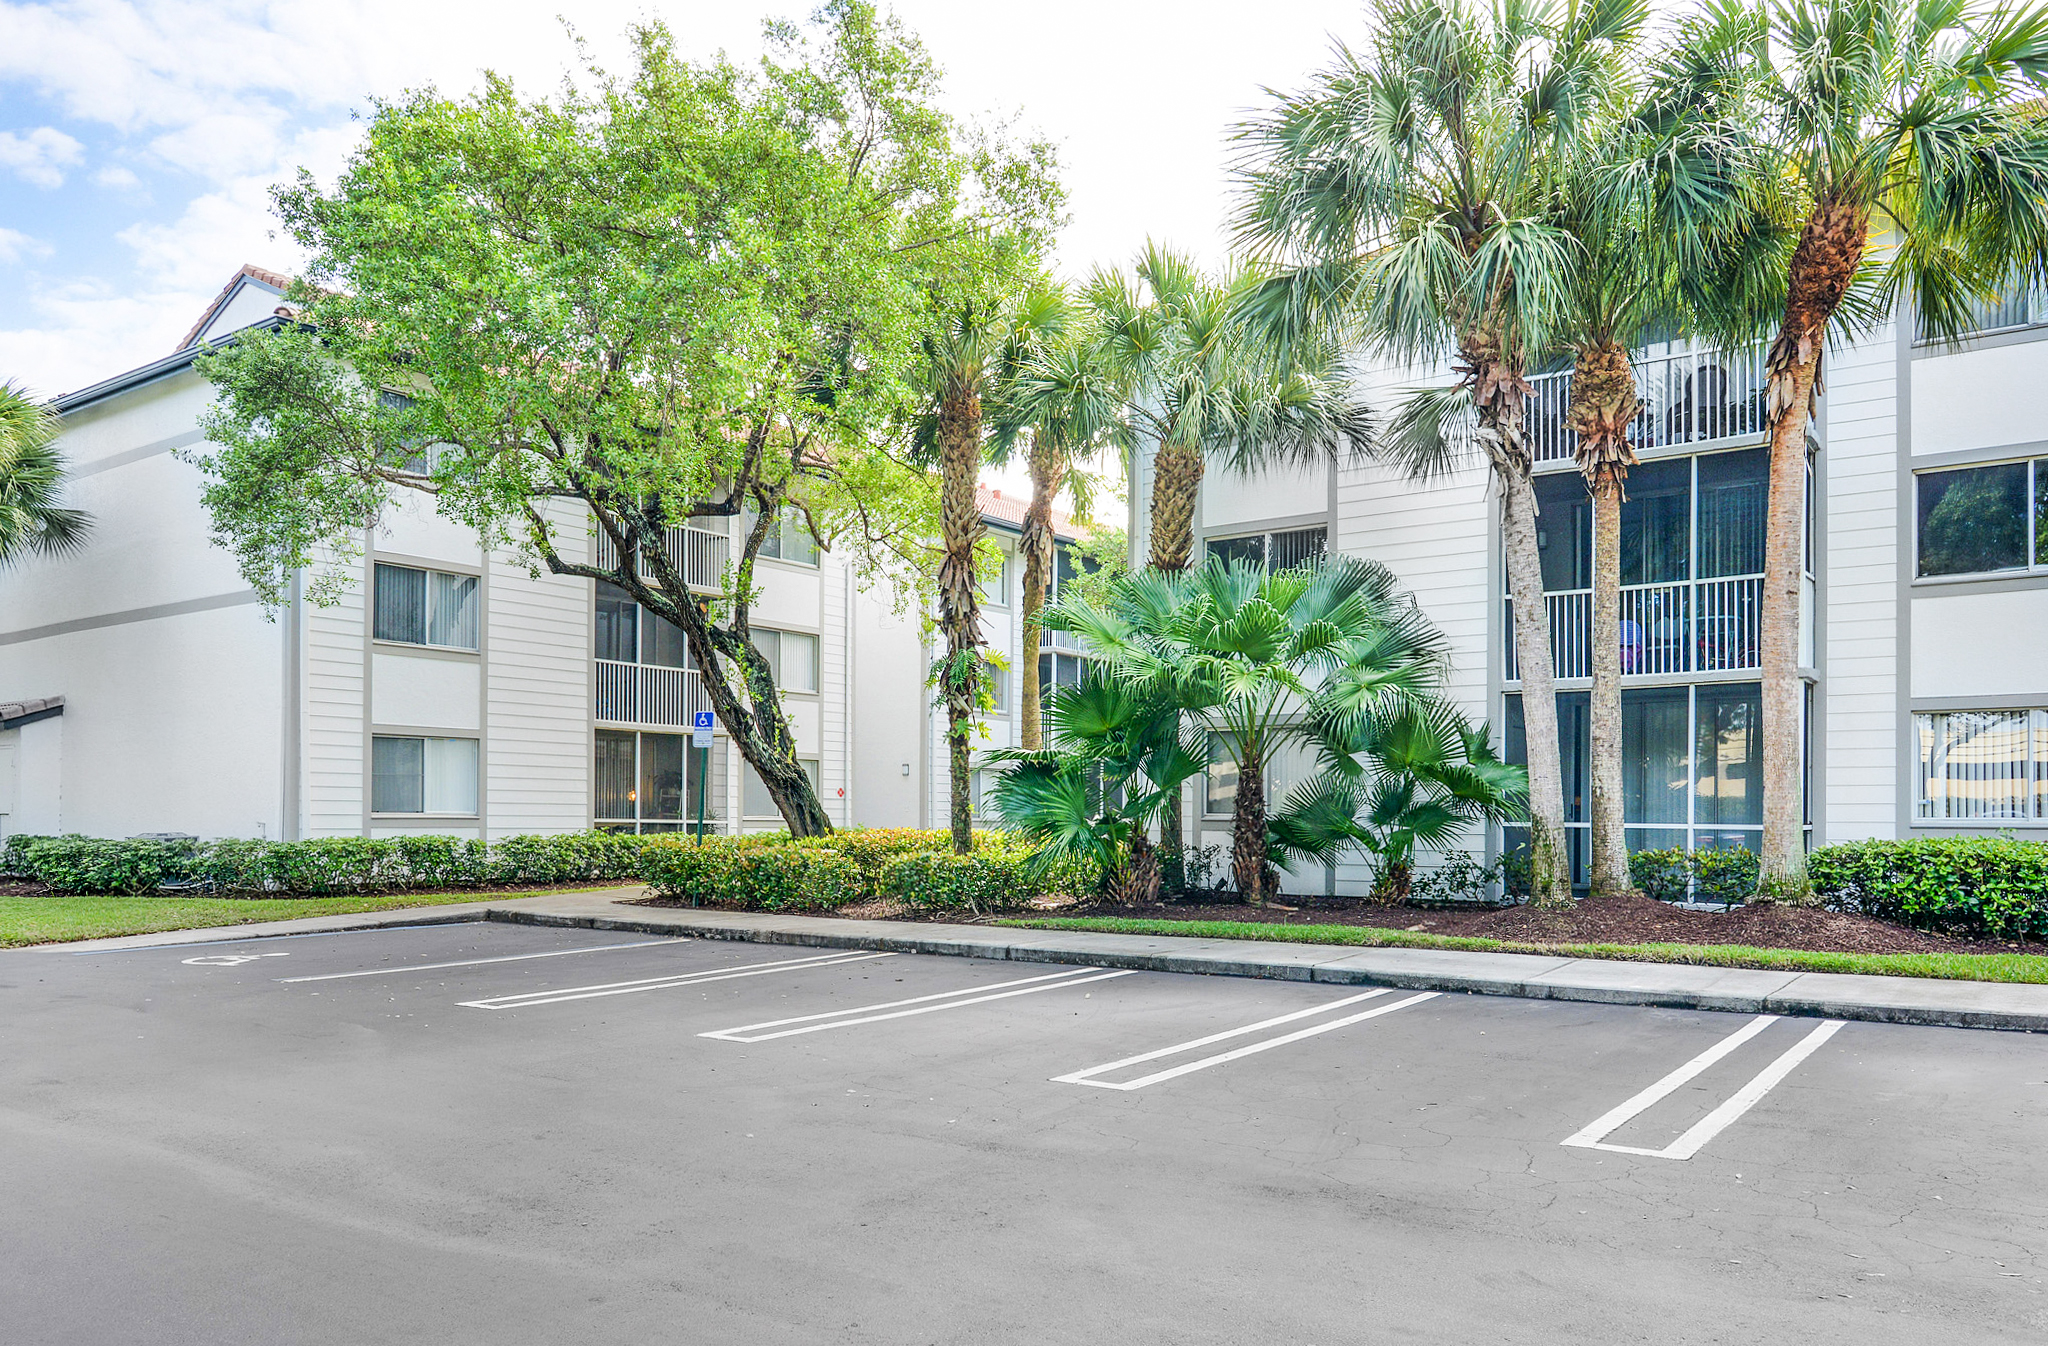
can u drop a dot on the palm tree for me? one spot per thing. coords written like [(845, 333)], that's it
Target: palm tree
[(1405, 199), (1059, 403), (1197, 383), (31, 479), (1262, 660), (972, 351), (1894, 123)]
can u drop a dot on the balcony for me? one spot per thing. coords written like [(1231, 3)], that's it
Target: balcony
[(1689, 397), (1064, 642), (699, 555), (647, 694), (1703, 626)]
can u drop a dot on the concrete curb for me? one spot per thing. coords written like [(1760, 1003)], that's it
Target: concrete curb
[(1899, 1000)]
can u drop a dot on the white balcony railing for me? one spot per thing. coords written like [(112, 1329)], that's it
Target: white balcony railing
[(1065, 642), (1688, 398), (1704, 626), (699, 555), (647, 694)]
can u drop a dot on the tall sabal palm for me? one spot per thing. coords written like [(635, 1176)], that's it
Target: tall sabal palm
[(32, 523), (1920, 170), (1199, 383), (1263, 660), (1405, 198), (966, 356), (1060, 402)]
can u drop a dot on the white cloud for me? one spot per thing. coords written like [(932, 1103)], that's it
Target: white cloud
[(118, 178), (39, 156), (14, 245)]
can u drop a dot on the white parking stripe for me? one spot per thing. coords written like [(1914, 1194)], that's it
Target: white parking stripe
[(526, 999), (1717, 1121), (1054, 981), (479, 962), (1252, 1049)]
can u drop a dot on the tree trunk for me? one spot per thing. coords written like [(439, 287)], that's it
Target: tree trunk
[(1830, 249), (1609, 876), (1248, 833), (1176, 488), (1603, 407), (1048, 473), (1139, 884), (1499, 393), (959, 608)]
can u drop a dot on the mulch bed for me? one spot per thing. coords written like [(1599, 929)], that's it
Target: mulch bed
[(1631, 919)]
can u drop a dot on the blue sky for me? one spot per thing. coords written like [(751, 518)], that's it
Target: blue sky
[(138, 139)]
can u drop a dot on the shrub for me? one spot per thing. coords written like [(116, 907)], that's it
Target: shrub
[(988, 880), (1459, 881), (794, 875), (100, 865), (1995, 886), (1727, 875)]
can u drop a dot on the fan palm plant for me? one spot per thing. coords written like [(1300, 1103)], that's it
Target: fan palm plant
[(1911, 137), (1259, 661), (31, 480), (1420, 777), (1116, 763), (1404, 199)]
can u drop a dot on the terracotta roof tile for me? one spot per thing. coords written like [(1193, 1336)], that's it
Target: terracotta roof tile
[(1009, 511), (250, 270)]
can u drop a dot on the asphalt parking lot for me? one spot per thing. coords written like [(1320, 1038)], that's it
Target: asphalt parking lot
[(506, 1134)]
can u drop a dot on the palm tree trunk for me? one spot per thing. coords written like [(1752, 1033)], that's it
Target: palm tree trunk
[(959, 612), (1831, 247), (1499, 393), (1603, 407), (1248, 833), (1609, 875), (1048, 473), (1176, 489)]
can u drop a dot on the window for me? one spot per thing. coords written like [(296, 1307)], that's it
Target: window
[(423, 775), (1222, 798), (788, 540), (1058, 670), (998, 686), (981, 785), (1983, 764), (1692, 767), (995, 588), (792, 657), (757, 802), (1981, 520), (652, 782), (398, 407), (1564, 532), (1281, 551), (628, 633), (2025, 307), (425, 607), (1283, 769)]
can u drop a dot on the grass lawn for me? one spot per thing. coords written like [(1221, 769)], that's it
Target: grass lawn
[(2014, 967), (48, 918)]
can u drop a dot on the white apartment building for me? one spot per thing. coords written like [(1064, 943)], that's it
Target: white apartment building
[(1925, 646), (143, 688)]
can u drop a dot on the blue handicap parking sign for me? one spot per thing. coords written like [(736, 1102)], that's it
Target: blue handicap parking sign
[(700, 729)]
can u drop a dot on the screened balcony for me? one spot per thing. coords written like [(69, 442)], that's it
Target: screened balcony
[(699, 555), (642, 673), (1692, 559), (1689, 397)]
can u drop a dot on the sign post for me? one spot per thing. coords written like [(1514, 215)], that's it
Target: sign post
[(700, 739)]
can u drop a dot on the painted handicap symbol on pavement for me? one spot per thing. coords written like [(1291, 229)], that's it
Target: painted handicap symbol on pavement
[(229, 959)]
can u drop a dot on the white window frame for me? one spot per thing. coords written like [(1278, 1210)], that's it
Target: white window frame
[(777, 662), (2033, 780), (427, 783), (749, 776), (429, 605)]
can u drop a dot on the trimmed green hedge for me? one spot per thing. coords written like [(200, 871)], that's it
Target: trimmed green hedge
[(773, 871), (318, 867), (1994, 886)]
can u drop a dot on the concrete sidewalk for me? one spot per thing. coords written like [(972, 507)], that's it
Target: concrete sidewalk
[(1907, 1000)]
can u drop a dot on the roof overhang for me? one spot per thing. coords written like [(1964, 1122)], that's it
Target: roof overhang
[(14, 714)]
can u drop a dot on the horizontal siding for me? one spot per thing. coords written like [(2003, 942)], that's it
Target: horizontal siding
[(1858, 766), (333, 720), (537, 699)]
